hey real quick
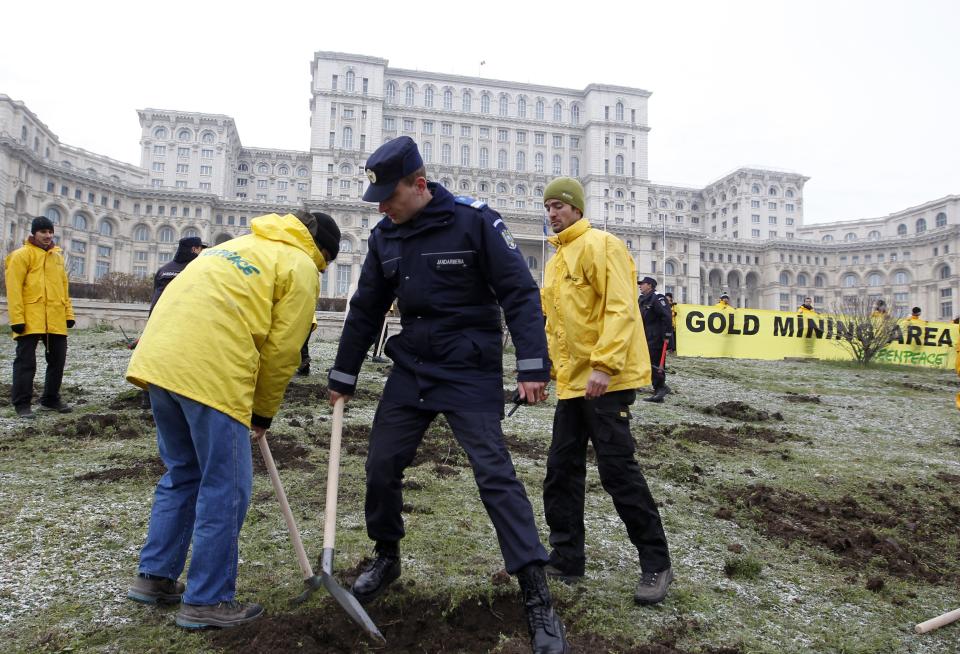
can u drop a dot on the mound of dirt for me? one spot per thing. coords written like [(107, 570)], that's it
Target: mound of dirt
[(307, 394), (414, 624), (152, 469), (105, 425), (743, 436), (68, 393), (797, 397), (287, 455), (127, 400), (741, 411), (903, 536)]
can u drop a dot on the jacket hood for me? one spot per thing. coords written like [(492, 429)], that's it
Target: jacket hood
[(288, 229)]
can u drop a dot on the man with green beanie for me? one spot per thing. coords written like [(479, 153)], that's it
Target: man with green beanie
[(599, 353)]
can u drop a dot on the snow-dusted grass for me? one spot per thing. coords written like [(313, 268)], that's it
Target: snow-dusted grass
[(69, 548)]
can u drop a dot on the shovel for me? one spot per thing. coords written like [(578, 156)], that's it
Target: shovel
[(343, 597), (311, 581)]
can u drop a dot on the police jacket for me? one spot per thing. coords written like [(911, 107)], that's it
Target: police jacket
[(168, 271), (657, 321), (451, 268), (227, 331), (37, 290)]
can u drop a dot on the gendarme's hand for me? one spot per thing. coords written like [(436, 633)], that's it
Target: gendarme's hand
[(334, 396), (532, 392)]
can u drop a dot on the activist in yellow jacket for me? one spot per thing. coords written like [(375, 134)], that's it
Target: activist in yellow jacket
[(37, 290), (593, 320), (723, 305), (227, 331)]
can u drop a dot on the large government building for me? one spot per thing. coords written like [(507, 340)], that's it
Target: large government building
[(498, 141)]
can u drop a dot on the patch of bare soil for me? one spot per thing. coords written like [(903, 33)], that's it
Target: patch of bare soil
[(413, 624), (151, 469), (741, 411), (287, 455), (743, 436), (799, 397), (69, 394), (103, 425), (307, 394), (521, 447), (910, 533)]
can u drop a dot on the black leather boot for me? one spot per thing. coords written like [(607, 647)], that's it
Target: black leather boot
[(658, 395), (383, 571), (546, 631)]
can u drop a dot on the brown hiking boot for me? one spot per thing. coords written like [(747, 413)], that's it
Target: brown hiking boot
[(224, 614), (652, 588), (156, 591)]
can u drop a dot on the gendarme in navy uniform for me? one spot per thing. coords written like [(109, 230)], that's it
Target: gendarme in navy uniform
[(451, 264)]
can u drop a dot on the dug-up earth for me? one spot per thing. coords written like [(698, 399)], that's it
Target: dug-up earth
[(810, 507)]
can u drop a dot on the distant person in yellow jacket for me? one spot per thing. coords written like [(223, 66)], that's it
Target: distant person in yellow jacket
[(724, 303), (915, 315), (39, 307), (806, 309), (879, 309), (216, 357)]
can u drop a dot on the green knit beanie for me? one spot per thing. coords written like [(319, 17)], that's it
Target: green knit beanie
[(567, 190)]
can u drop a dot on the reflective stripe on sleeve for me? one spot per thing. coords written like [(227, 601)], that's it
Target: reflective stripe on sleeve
[(343, 378), (529, 364)]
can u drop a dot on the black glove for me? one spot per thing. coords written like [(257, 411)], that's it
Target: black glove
[(19, 327), (71, 323)]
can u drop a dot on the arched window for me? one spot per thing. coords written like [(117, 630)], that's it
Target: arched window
[(695, 207), (428, 152), (502, 160), (160, 133), (106, 228), (522, 107), (521, 161), (466, 102), (521, 190), (874, 279), (901, 230), (618, 165), (302, 172), (465, 155), (208, 137), (347, 138), (557, 112), (243, 167), (191, 232), (574, 167), (538, 111), (827, 238), (501, 188), (619, 194), (538, 191), (408, 95), (575, 114), (184, 135), (346, 245), (484, 104), (428, 97), (850, 236), (663, 203), (801, 280), (345, 169), (349, 80), (944, 272), (849, 280), (921, 225), (80, 221), (464, 185), (670, 268), (445, 153), (941, 219), (874, 235), (538, 162), (484, 158), (53, 214), (447, 99), (283, 170), (819, 281), (504, 105), (619, 111), (391, 92), (141, 233), (755, 189), (679, 205), (901, 277), (263, 169), (772, 191), (784, 279), (789, 193), (166, 234)]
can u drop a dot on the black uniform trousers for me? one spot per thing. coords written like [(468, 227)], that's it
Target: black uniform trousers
[(305, 351), (658, 376), (25, 367), (397, 432), (604, 421)]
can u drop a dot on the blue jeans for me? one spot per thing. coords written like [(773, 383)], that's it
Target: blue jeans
[(202, 497)]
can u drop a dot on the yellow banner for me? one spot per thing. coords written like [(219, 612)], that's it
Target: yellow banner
[(758, 334)]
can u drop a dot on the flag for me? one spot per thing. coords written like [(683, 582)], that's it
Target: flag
[(545, 233)]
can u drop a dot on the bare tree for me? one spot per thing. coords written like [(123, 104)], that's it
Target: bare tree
[(861, 329), (121, 287)]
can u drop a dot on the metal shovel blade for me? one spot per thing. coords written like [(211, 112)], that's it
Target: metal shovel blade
[(346, 599)]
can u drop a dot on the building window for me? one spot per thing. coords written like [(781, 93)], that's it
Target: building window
[(344, 273), (465, 155), (466, 103), (618, 165), (348, 137), (538, 110), (574, 166), (445, 153), (428, 97), (557, 112), (557, 168), (538, 162), (428, 152), (921, 226), (522, 107), (484, 158), (448, 99), (575, 114), (619, 111), (941, 219), (484, 104), (502, 160), (504, 104)]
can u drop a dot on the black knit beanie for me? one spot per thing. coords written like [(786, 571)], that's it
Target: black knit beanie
[(324, 231), (40, 222)]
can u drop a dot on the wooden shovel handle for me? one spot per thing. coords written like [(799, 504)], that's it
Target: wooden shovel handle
[(333, 477), (285, 508), (937, 622)]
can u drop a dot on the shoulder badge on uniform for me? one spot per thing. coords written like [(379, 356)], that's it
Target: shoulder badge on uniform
[(470, 202), (508, 237)]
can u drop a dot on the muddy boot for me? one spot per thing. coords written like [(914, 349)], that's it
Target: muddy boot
[(658, 395), (546, 631), (375, 578)]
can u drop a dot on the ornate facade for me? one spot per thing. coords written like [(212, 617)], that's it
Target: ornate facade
[(498, 141)]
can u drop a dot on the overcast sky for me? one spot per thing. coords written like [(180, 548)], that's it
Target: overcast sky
[(861, 96)]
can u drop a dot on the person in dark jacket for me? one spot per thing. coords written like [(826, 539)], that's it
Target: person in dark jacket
[(658, 326), (187, 250), (451, 264)]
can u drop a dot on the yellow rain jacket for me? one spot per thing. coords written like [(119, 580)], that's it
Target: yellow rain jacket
[(593, 320), (227, 330), (802, 310), (37, 290), (723, 305)]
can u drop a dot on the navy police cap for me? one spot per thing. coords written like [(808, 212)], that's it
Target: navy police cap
[(390, 163)]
